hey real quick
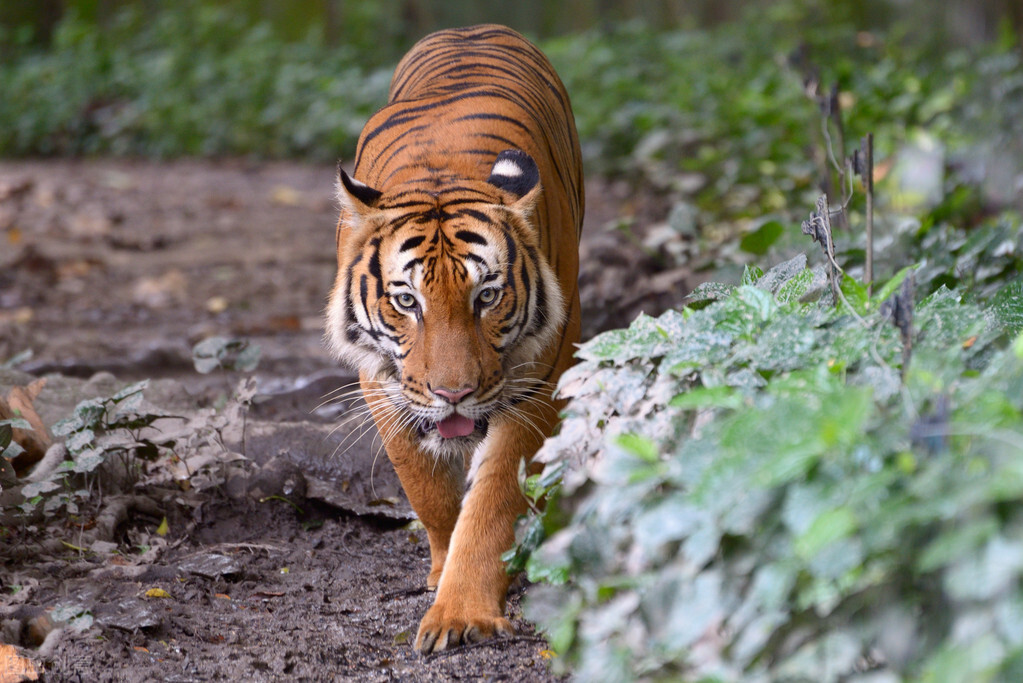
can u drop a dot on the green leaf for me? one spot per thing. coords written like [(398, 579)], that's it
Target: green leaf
[(88, 461), (132, 391), (828, 528), (750, 275), (1006, 307), (16, 423), (796, 287), (721, 396), (881, 295), (706, 293), (855, 294), (6, 435), (223, 352), (761, 239), (640, 446), (39, 487), (954, 544), (80, 440), (12, 451)]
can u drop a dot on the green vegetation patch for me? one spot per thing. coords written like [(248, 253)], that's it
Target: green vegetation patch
[(763, 489)]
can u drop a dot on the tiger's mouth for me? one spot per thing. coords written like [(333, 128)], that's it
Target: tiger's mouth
[(456, 426)]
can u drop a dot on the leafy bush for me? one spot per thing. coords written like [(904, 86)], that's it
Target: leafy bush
[(721, 120), (191, 79), (99, 431), (756, 493), (715, 113)]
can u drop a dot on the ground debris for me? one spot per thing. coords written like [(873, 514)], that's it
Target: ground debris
[(211, 565)]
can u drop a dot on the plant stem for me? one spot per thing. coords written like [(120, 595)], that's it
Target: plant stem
[(867, 174)]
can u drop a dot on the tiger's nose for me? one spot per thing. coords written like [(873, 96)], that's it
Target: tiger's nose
[(450, 396)]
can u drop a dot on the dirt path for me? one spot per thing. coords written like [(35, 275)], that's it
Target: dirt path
[(120, 267)]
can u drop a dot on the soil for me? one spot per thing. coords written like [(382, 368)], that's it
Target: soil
[(110, 271)]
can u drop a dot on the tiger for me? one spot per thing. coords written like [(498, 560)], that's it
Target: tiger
[(456, 297)]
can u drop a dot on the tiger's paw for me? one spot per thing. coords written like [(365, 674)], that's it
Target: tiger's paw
[(446, 627)]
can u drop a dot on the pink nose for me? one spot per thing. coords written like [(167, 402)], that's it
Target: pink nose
[(452, 396)]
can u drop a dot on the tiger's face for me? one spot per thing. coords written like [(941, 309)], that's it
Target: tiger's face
[(445, 299)]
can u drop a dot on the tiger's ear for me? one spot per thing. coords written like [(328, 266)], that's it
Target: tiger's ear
[(515, 171), (355, 196)]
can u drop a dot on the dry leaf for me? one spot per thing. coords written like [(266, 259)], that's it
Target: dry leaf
[(14, 668), (288, 196), (157, 593), (19, 403)]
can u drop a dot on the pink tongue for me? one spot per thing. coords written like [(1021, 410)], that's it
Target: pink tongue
[(455, 425)]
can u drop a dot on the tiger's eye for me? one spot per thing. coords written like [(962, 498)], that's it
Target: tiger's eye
[(405, 300), (487, 296)]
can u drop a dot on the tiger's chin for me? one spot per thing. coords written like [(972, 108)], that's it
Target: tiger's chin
[(445, 446)]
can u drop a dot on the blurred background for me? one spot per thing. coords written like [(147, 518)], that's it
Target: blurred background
[(381, 28), (297, 78)]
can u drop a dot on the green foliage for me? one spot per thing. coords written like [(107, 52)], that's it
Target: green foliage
[(229, 354), (189, 79), (720, 120), (756, 494), (99, 430), (9, 448), (719, 113)]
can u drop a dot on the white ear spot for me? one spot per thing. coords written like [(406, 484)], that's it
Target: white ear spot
[(514, 171), (506, 168)]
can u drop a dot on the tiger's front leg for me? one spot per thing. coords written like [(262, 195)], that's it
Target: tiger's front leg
[(434, 487), (471, 595)]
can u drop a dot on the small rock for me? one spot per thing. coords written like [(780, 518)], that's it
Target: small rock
[(131, 614), (278, 477), (211, 566)]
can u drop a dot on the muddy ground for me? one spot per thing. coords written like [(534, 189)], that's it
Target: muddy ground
[(110, 271)]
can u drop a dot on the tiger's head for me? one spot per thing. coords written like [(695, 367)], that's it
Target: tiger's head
[(444, 297)]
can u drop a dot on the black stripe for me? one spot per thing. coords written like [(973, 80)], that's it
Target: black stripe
[(478, 215), (374, 266), (412, 243), (471, 237)]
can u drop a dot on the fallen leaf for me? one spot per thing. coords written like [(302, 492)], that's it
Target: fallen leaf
[(139, 648), (14, 668), (163, 528), (162, 291), (19, 316), (157, 593), (216, 304), (222, 596), (89, 223), (19, 403), (288, 196)]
